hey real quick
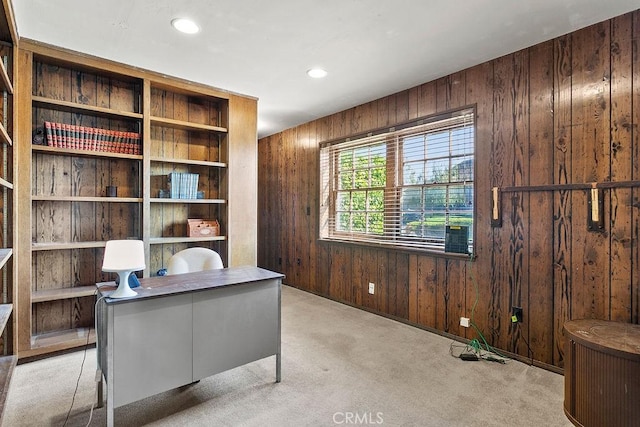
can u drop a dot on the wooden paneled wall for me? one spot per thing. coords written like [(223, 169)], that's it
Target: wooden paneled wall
[(561, 112)]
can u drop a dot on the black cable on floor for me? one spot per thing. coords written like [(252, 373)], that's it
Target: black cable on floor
[(530, 352), (84, 357)]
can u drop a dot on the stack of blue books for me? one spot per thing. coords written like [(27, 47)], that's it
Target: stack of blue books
[(183, 185)]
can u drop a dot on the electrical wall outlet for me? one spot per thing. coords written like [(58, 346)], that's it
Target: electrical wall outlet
[(465, 321), (516, 314), (372, 288)]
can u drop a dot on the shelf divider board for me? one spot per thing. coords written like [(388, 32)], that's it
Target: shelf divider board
[(181, 124), (69, 245), (188, 201), (75, 107), (75, 152), (6, 184), (5, 81), (4, 136), (5, 255), (22, 202), (7, 364), (64, 293), (170, 240), (189, 162), (5, 312), (146, 177), (61, 340), (87, 199)]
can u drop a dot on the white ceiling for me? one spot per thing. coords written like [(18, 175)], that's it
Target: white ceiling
[(371, 48)]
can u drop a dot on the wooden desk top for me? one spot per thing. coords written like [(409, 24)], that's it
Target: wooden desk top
[(153, 287), (618, 338)]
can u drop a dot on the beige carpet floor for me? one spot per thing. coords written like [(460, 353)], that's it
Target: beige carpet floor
[(341, 366)]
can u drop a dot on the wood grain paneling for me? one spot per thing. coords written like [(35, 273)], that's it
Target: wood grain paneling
[(621, 209), (634, 149), (480, 94), (556, 113), (562, 236), (539, 300), (590, 151)]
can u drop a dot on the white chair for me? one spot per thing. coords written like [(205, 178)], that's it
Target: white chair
[(194, 259)]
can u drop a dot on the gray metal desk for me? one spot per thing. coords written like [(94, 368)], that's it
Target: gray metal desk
[(183, 328)]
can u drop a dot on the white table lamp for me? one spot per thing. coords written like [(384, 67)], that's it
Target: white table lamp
[(123, 257)]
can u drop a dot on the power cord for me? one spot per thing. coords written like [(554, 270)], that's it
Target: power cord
[(529, 351), (84, 357), (474, 350), (98, 373)]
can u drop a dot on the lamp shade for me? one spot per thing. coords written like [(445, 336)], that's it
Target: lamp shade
[(123, 257)]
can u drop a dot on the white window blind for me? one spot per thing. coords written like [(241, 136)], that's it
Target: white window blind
[(401, 187)]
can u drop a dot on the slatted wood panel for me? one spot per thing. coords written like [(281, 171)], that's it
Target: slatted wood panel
[(621, 209), (562, 236), (634, 149), (590, 151), (559, 112), (538, 302), (480, 92)]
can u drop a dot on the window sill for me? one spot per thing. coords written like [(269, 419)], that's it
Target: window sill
[(419, 251)]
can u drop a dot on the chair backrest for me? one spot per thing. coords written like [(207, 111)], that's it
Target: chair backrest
[(194, 259)]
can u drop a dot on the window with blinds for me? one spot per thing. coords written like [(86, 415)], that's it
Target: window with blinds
[(402, 187)]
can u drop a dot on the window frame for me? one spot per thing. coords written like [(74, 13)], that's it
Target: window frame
[(392, 228)]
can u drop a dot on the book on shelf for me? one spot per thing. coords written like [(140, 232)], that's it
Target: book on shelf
[(183, 185), (77, 137)]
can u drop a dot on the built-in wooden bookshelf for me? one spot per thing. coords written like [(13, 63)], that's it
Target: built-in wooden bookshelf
[(184, 128), (8, 294), (188, 135), (72, 215)]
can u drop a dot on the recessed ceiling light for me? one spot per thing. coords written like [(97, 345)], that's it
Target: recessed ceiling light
[(185, 25), (316, 73)]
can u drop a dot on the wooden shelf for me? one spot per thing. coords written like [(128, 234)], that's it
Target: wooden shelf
[(7, 364), (4, 136), (60, 340), (5, 81), (170, 240), (87, 199), (189, 201), (5, 254), (61, 245), (64, 293), (88, 153), (181, 124), (75, 107), (189, 162), (8, 217), (6, 184), (5, 312)]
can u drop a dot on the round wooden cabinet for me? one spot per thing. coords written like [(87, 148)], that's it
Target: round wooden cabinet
[(602, 373)]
